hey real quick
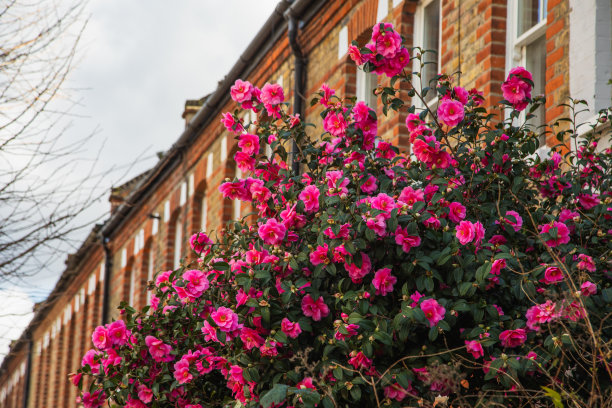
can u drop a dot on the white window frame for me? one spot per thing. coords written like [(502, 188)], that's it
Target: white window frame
[(365, 83), (178, 242), (419, 37), (516, 46)]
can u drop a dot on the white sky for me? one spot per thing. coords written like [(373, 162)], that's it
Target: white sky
[(139, 61)]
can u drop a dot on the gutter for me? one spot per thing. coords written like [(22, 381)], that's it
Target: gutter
[(26, 390), (108, 268), (299, 75)]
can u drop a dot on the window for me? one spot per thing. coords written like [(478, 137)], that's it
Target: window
[(527, 42), (427, 36), (178, 239), (365, 86)]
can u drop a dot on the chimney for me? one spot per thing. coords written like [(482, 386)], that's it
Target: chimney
[(192, 106)]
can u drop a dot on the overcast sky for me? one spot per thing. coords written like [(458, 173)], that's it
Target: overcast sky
[(139, 61)]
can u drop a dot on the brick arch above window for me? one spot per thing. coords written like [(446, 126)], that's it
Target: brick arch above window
[(362, 21)]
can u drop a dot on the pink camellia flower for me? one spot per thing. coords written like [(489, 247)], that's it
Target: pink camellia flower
[(369, 185), (335, 186), (386, 39), (290, 329), (250, 338), (406, 241), (409, 196), (233, 190), (315, 309), (200, 243), (245, 162), (225, 318), (89, 359), (542, 313), (117, 333), (552, 275), (586, 263), (272, 232), (259, 191), (574, 311), (134, 403), (465, 232), (355, 54), (75, 379), (327, 94), (310, 197), (588, 201), (241, 91), (305, 383), (351, 331), (588, 288), (356, 273), (566, 215), (145, 394), (461, 94), (231, 124), (479, 232), (562, 236), (93, 400), (159, 350), (516, 225), (451, 112), (512, 338), (335, 124), (397, 392), (516, 89), (197, 283), (319, 255), (383, 281), (360, 361), (415, 297), (434, 312), (456, 212), (497, 266), (181, 372), (475, 348), (249, 144), (272, 94), (100, 338)]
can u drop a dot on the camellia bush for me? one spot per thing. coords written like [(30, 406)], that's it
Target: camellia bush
[(469, 272)]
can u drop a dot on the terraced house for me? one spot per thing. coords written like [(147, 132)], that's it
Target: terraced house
[(566, 44)]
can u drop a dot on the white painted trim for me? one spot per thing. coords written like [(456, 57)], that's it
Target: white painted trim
[(343, 42), (209, 165), (223, 148), (382, 11), (419, 37)]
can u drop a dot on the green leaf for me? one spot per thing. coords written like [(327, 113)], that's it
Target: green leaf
[(309, 397), (554, 396), (356, 393), (464, 287), (276, 395)]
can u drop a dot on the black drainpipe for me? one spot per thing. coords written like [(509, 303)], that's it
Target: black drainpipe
[(108, 264), (298, 80), (27, 373)]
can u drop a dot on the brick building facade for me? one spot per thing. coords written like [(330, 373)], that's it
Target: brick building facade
[(566, 44)]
